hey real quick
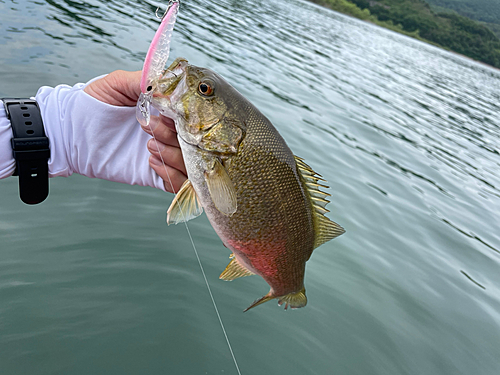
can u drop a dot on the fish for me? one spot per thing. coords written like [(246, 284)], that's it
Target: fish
[(265, 204)]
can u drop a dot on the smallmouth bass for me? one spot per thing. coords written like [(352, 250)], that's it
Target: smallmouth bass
[(264, 203)]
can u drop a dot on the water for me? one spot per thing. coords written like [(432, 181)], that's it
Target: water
[(92, 281)]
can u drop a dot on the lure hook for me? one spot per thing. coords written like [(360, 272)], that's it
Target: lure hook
[(170, 3)]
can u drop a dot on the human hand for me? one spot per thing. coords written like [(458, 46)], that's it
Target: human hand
[(165, 146), (121, 88)]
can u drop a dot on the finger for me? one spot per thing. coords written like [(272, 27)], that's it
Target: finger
[(128, 84), (162, 131), (168, 122), (171, 155), (172, 177), (118, 88)]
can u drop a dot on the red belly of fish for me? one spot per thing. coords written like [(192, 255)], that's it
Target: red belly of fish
[(271, 261)]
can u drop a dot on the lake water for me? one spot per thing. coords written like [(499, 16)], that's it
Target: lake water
[(92, 281)]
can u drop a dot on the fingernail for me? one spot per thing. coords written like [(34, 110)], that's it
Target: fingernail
[(155, 161), (153, 123), (155, 146)]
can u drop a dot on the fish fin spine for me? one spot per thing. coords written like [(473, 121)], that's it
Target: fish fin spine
[(185, 206), (324, 228)]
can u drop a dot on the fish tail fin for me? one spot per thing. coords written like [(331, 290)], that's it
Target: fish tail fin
[(293, 300), (269, 296)]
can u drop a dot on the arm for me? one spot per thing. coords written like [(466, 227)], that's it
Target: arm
[(93, 132)]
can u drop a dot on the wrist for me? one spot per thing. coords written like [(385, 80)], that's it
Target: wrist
[(30, 148)]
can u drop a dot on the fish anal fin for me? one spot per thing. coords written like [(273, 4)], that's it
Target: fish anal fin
[(324, 228), (234, 270), (185, 206), (221, 189)]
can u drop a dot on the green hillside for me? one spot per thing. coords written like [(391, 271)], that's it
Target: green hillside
[(485, 11), (479, 10), (416, 18)]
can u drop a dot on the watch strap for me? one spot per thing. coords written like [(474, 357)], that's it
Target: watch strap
[(30, 147)]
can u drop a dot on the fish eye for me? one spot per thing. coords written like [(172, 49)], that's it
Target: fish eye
[(149, 88), (205, 88)]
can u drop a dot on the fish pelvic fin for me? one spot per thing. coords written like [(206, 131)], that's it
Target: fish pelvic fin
[(185, 206), (293, 300), (324, 228), (234, 270)]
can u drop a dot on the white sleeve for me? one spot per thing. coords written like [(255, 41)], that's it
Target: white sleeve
[(7, 163), (87, 137)]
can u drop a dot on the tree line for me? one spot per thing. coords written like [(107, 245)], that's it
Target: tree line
[(415, 18)]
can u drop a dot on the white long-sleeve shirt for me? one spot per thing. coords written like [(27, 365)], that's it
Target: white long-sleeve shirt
[(87, 137)]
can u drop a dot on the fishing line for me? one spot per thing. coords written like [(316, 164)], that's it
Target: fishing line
[(197, 256)]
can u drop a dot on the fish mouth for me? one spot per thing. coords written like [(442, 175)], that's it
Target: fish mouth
[(172, 76), (168, 94), (170, 88)]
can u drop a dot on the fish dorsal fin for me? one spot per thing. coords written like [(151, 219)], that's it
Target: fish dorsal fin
[(234, 270), (185, 206), (221, 189), (324, 228)]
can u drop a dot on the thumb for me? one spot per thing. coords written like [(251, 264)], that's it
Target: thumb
[(119, 88)]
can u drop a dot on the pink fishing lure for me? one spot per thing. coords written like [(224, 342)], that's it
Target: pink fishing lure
[(159, 49), (155, 61)]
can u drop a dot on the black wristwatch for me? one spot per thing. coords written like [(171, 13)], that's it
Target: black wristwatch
[(30, 147)]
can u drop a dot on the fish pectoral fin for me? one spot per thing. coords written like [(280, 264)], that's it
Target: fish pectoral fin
[(185, 206), (221, 189), (234, 270)]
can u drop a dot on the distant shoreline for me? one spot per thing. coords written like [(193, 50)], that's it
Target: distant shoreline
[(450, 32)]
